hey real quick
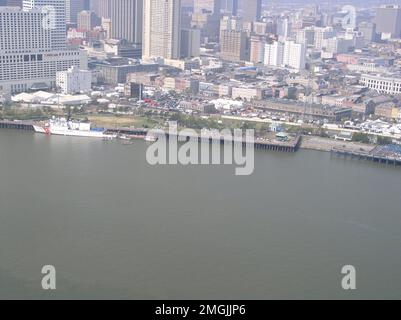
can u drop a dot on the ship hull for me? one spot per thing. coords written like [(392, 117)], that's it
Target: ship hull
[(72, 133), (77, 133), (70, 128), (40, 129)]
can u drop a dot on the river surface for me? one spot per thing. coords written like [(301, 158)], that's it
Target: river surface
[(115, 227)]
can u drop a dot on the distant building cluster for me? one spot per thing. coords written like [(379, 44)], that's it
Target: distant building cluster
[(294, 59)]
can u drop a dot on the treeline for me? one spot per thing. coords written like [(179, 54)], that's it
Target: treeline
[(368, 138)]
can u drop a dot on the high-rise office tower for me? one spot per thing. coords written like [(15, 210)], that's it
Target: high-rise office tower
[(306, 36), (87, 20), (229, 7), (368, 30), (127, 20), (187, 3), (212, 6), (288, 54), (230, 23), (72, 8), (274, 54), (260, 28), (55, 19), (322, 34), (234, 45), (11, 3), (186, 20), (284, 27), (190, 43), (206, 17), (251, 10), (294, 55), (257, 49), (388, 20), (161, 36), (29, 57), (102, 8)]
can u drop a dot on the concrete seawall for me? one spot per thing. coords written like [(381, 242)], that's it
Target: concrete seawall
[(281, 146), (19, 125)]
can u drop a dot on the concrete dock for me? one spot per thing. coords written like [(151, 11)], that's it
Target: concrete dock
[(19, 125), (292, 145), (271, 144), (368, 156)]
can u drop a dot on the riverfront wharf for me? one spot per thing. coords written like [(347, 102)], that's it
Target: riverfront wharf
[(292, 145), (19, 125), (373, 156)]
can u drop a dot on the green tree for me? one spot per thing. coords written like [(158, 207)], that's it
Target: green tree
[(361, 137), (383, 140)]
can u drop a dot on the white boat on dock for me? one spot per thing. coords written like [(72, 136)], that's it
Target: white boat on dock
[(150, 138), (65, 127)]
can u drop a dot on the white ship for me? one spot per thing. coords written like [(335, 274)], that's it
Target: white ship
[(150, 138), (64, 127)]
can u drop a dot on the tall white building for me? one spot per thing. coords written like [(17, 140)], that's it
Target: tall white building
[(212, 6), (288, 54), (162, 25), (29, 58), (54, 20), (274, 54), (28, 35), (74, 80), (294, 55), (322, 34), (231, 23)]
